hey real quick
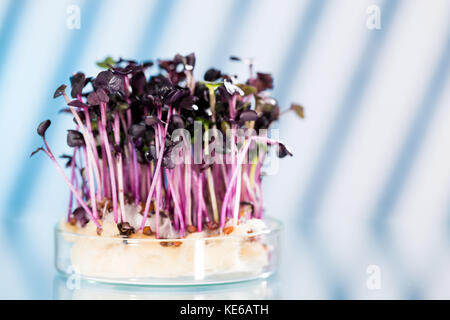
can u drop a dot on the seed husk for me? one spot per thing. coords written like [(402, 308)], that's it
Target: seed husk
[(228, 230), (191, 228), (147, 231)]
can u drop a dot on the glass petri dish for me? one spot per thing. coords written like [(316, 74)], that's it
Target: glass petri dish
[(71, 288), (195, 260)]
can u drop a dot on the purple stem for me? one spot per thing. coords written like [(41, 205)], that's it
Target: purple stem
[(91, 182), (106, 188), (175, 201), (136, 177), (157, 207), (112, 173), (74, 191), (100, 192), (72, 167), (155, 176), (199, 203), (119, 167), (235, 174)]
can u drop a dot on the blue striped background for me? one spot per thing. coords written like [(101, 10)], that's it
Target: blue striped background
[(369, 183)]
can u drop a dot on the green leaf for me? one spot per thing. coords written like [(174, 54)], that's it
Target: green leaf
[(244, 106), (204, 121), (267, 107), (298, 109), (248, 90), (212, 85), (122, 106), (224, 125), (263, 147), (94, 125), (107, 63)]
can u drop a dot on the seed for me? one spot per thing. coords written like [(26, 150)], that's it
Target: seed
[(228, 230), (246, 208), (125, 229), (84, 221), (151, 209), (106, 202), (212, 225), (177, 243), (147, 231), (99, 231), (129, 198), (164, 243), (191, 228), (73, 221)]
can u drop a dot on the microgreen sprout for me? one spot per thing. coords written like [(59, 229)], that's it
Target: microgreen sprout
[(124, 150)]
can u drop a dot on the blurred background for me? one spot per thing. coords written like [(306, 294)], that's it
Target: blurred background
[(365, 199)]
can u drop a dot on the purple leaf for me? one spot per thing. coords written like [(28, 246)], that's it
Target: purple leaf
[(60, 91), (78, 104), (75, 138), (147, 64), (189, 62), (97, 97), (177, 121), (109, 81), (136, 131), (173, 95), (138, 82), (248, 115), (78, 81), (151, 120), (188, 102), (68, 158), (42, 128), (36, 151), (64, 110), (263, 81), (283, 151), (212, 75), (262, 123)]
